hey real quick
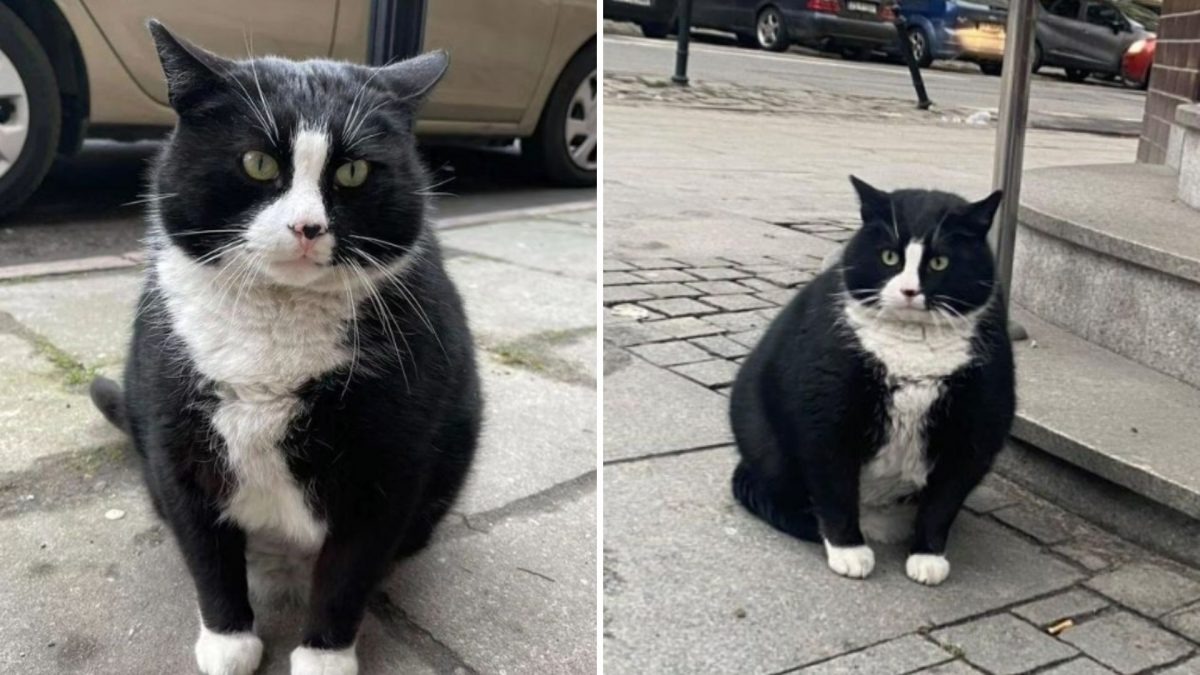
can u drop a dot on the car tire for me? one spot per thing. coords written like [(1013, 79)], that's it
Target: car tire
[(770, 30), (653, 29), (1037, 58), (1077, 74), (919, 42), (564, 146), (30, 112), (993, 68)]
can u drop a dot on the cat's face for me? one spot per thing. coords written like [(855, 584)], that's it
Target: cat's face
[(294, 173), (921, 255)]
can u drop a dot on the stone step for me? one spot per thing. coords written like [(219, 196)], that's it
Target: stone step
[(1109, 415), (1109, 253)]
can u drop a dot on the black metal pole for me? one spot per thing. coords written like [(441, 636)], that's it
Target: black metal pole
[(681, 43), (914, 68)]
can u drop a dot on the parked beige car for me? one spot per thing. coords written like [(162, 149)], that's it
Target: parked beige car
[(521, 69)]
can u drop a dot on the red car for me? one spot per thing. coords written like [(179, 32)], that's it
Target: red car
[(1135, 65)]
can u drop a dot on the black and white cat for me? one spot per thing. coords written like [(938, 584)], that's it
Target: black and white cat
[(879, 397), (301, 374)]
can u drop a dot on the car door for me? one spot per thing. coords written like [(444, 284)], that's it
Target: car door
[(1103, 36), (1057, 29), (497, 56), (292, 28), (707, 13)]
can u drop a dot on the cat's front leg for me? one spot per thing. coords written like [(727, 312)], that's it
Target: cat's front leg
[(350, 566), (834, 490), (951, 481), (215, 555)]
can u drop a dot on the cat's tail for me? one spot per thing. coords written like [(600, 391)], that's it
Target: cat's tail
[(789, 512), (110, 400)]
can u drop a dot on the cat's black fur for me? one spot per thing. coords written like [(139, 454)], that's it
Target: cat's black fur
[(809, 407), (381, 449)]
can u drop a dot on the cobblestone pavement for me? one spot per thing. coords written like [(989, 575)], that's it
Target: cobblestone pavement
[(692, 583), (90, 579)]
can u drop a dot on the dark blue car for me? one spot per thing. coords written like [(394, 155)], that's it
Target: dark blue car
[(957, 29)]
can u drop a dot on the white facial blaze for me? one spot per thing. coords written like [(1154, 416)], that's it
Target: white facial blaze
[(908, 279), (270, 234)]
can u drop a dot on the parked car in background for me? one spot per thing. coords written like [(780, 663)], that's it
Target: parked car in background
[(853, 28), (1135, 66), (656, 18), (523, 69), (1086, 37), (956, 29)]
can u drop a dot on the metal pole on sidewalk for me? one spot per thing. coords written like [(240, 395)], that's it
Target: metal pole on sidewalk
[(1010, 136), (681, 43), (914, 69)]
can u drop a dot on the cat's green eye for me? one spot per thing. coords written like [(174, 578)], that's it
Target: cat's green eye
[(260, 165), (939, 263), (352, 174), (890, 257)]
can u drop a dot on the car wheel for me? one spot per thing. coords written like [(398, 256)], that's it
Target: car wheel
[(1037, 57), (1077, 75), (30, 112), (564, 146), (919, 43), (771, 30), (655, 30), (993, 68)]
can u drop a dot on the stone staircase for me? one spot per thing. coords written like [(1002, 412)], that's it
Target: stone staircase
[(1107, 281)]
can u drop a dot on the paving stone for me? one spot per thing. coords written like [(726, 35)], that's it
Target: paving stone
[(748, 338), (1126, 643), (1070, 605), (1186, 622), (1150, 589), (614, 265), (632, 427), (539, 433), (760, 270), (714, 373), (506, 301), (1189, 667), (1097, 550), (41, 415), (952, 668), (1003, 644), (789, 278), (721, 346), (620, 278), (736, 303), (519, 599), (627, 334), (676, 307), (737, 321), (655, 263), (665, 275), (673, 534), (670, 353), (718, 273), (749, 260), (565, 248), (759, 284), (685, 327), (988, 497), (89, 317), (842, 236), (718, 287), (702, 261), (615, 295), (896, 656), (672, 290), (1079, 666), (1047, 525), (777, 297), (634, 312)]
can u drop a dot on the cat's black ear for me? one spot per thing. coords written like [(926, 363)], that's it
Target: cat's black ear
[(411, 80), (979, 215), (876, 204), (193, 74)]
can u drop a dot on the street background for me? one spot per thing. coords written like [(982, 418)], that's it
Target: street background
[(96, 584), (721, 200)]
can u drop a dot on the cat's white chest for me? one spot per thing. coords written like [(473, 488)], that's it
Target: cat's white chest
[(258, 346)]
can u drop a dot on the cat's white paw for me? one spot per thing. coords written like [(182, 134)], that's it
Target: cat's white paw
[(927, 568), (309, 661), (855, 562), (227, 653)]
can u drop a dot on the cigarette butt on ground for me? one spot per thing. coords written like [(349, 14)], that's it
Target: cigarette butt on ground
[(1060, 626)]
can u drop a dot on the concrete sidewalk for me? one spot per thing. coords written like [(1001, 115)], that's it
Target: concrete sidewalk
[(713, 220), (92, 581)]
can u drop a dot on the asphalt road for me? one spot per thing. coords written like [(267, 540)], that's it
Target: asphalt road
[(86, 206), (950, 85)]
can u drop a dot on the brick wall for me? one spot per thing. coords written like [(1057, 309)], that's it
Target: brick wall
[(1175, 78)]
